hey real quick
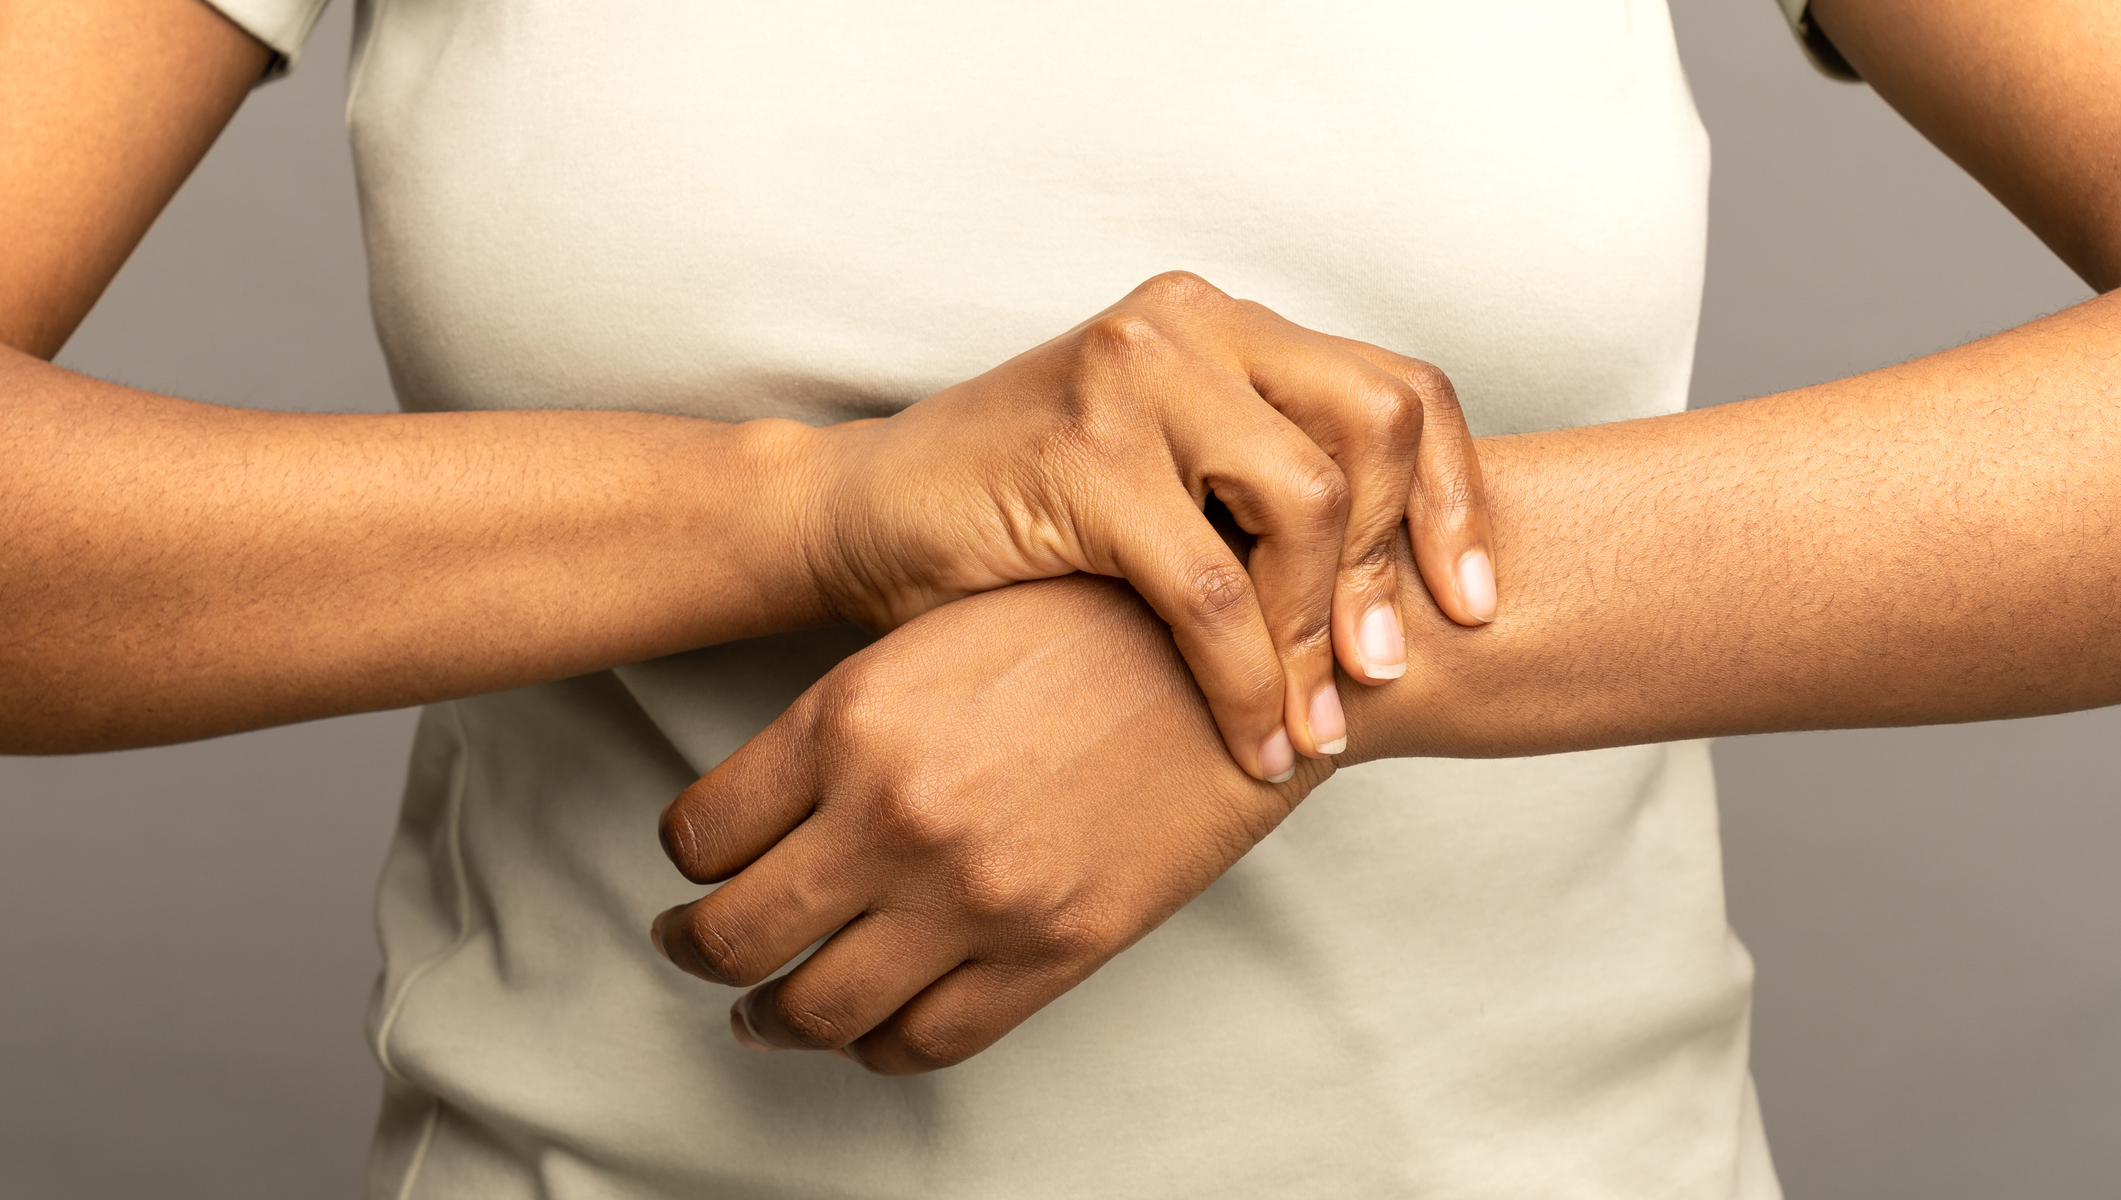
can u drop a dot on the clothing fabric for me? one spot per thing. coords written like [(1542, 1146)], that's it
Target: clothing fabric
[(283, 25), (1819, 48), (1439, 978)]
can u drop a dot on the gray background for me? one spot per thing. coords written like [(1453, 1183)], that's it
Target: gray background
[(185, 941)]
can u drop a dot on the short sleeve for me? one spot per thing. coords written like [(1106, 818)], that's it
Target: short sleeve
[(281, 24), (1814, 40)]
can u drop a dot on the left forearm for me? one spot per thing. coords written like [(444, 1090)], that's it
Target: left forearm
[(1938, 541)]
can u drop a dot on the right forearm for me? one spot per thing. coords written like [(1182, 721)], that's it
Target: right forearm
[(173, 570)]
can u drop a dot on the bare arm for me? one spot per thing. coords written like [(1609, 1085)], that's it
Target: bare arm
[(175, 570), (105, 108), (2026, 97), (1939, 541), (172, 570), (1936, 541)]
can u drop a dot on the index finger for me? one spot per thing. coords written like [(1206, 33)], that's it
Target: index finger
[(1194, 581)]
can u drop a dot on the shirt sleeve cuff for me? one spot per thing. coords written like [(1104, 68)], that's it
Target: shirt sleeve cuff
[(283, 25), (1816, 45)]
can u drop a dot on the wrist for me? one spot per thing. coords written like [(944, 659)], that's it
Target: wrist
[(791, 476), (1463, 694), (829, 520), (1552, 672)]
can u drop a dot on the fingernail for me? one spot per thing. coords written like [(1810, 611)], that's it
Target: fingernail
[(1381, 644), (1476, 584), (1277, 758), (655, 937), (1329, 726), (740, 1025), (841, 1053)]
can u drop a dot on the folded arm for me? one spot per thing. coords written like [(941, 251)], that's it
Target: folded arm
[(1940, 541), (173, 570), (1937, 541)]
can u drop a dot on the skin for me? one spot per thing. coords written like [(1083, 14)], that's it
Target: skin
[(1932, 542), (1937, 541), (176, 570)]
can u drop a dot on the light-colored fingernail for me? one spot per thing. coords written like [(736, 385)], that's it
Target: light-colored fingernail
[(655, 936), (840, 1052), (740, 1025), (1329, 726), (1277, 758), (1476, 584), (1381, 644)]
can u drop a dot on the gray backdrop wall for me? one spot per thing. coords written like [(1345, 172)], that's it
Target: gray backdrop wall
[(185, 942)]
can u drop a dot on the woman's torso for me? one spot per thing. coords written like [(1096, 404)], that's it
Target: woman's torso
[(1438, 978)]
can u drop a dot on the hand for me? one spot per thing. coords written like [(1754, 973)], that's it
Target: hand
[(986, 805), (1097, 451)]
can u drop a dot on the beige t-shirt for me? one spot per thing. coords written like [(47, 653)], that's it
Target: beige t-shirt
[(1442, 979)]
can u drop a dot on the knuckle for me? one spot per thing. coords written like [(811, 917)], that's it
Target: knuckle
[(1430, 383), (991, 893), (1375, 558), (1181, 289), (1036, 919), (852, 711), (810, 1025), (932, 1047), (1078, 935), (1394, 410), (1216, 590), (683, 841), (1312, 633), (721, 957), (1319, 494), (1013, 889), (1124, 337), (914, 818)]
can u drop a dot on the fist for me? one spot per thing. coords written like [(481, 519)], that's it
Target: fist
[(975, 813)]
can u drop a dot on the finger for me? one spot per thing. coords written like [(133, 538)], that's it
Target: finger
[(742, 808), (1371, 422), (757, 923), (960, 1015), (1172, 555), (1447, 513), (854, 982), (1282, 488)]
